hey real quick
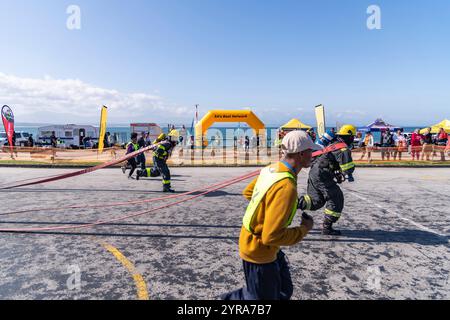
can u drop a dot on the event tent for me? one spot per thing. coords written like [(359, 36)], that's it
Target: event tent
[(379, 125), (435, 129), (295, 124)]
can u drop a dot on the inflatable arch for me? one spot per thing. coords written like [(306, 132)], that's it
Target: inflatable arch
[(214, 116)]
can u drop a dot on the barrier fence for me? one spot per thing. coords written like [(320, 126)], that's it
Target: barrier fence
[(216, 155)]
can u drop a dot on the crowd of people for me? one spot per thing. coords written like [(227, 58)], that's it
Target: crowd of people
[(393, 145)]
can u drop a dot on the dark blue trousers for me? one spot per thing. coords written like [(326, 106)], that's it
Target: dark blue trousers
[(141, 160), (271, 281)]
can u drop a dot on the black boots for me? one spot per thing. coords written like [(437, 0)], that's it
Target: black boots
[(167, 188), (327, 228)]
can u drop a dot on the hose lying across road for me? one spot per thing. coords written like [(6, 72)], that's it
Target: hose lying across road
[(124, 203), (7, 185), (208, 189), (80, 172)]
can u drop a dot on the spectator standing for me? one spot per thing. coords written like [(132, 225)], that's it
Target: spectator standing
[(247, 144), (148, 139), (442, 137), (427, 144), (386, 143), (212, 144), (86, 142), (183, 136), (108, 140), (447, 148), (416, 142), (192, 143), (367, 146), (358, 140), (53, 140), (14, 144), (253, 143), (441, 141), (400, 145), (31, 141)]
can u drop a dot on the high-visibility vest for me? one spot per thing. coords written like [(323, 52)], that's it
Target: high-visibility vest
[(267, 178), (135, 146)]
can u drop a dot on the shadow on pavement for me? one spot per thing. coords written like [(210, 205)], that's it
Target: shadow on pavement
[(351, 236), (404, 236)]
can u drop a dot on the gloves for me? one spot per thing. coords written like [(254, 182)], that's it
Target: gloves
[(339, 177), (306, 216), (307, 221), (350, 178)]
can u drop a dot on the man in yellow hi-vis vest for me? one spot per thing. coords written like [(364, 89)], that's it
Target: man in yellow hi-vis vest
[(273, 204)]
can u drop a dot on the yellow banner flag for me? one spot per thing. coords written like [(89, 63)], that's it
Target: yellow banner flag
[(101, 137), (320, 117)]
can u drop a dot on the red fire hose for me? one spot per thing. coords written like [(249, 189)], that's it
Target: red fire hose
[(88, 225), (100, 222), (117, 204)]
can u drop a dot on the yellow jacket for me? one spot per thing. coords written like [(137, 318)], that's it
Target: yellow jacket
[(269, 224)]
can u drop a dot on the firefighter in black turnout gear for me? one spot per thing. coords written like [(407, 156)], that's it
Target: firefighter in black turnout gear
[(131, 147), (163, 149), (327, 171)]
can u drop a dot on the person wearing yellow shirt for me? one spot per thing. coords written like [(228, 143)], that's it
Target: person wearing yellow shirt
[(266, 225)]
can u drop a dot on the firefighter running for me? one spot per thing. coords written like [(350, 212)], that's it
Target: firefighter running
[(132, 146), (327, 171), (163, 147)]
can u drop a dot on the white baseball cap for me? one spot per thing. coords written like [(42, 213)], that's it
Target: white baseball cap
[(298, 141)]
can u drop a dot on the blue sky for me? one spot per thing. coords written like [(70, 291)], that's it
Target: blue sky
[(153, 60)]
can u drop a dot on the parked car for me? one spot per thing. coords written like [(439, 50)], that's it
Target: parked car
[(3, 138), (21, 138)]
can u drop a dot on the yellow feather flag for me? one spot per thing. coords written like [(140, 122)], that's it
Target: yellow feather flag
[(320, 117), (101, 137)]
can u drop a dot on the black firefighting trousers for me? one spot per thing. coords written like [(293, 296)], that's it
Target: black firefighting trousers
[(322, 189), (160, 168)]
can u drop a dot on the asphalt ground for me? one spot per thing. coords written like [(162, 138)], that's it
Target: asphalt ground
[(396, 227)]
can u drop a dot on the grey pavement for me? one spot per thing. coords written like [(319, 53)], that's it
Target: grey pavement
[(396, 227)]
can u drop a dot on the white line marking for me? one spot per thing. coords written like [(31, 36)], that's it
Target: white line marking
[(390, 211), (398, 215)]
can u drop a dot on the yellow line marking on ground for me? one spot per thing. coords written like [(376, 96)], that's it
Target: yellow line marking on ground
[(142, 292)]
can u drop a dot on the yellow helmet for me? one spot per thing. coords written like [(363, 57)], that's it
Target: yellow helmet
[(174, 133), (347, 130), (160, 138)]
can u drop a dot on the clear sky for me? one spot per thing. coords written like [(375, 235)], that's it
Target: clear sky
[(154, 60)]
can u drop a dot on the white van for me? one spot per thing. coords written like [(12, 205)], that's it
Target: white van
[(21, 138), (68, 136)]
